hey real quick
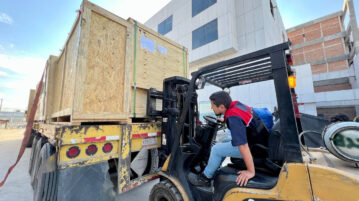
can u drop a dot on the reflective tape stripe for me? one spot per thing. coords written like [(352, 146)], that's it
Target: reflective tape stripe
[(95, 139), (115, 137), (146, 135)]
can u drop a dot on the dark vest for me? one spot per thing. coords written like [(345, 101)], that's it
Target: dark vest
[(256, 131), (240, 110)]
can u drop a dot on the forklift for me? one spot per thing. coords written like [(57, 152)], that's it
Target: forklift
[(282, 174)]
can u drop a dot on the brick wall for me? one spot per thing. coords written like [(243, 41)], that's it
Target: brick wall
[(329, 112), (319, 51)]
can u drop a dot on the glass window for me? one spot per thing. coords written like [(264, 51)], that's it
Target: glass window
[(165, 26), (205, 34), (201, 5), (205, 110)]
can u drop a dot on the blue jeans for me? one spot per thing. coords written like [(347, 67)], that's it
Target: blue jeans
[(218, 153)]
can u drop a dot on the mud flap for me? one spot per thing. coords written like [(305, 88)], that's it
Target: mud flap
[(87, 183)]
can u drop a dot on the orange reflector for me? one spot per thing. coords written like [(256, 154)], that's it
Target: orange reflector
[(291, 81)]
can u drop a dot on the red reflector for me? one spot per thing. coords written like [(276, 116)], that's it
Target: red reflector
[(107, 148), (91, 150), (289, 59), (73, 152)]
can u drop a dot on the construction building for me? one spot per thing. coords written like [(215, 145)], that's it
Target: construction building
[(330, 45), (216, 30)]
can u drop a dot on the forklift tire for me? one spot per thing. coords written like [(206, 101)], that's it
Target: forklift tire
[(32, 155), (45, 185), (165, 191)]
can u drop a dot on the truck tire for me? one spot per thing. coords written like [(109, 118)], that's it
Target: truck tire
[(31, 162), (154, 161), (44, 186), (32, 135), (165, 191), (35, 159)]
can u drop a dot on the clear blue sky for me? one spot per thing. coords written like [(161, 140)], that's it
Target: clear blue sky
[(32, 30), (295, 12)]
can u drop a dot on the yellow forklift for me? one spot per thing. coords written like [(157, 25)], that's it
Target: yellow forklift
[(285, 173)]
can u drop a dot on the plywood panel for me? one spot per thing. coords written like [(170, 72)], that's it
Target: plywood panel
[(58, 83), (141, 103), (157, 59), (30, 103), (70, 69), (50, 86), (104, 82)]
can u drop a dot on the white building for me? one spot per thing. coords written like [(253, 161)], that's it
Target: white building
[(216, 30)]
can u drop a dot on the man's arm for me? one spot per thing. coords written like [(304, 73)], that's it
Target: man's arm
[(245, 175)]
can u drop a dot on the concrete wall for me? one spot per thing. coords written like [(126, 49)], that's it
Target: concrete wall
[(243, 26)]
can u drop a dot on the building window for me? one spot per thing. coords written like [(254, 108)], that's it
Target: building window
[(205, 34), (201, 5), (165, 26)]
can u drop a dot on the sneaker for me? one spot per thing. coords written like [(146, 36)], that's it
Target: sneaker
[(199, 179)]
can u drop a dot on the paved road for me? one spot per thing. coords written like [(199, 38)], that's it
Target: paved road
[(18, 188)]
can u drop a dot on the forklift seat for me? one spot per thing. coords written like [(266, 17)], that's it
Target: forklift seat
[(267, 169), (225, 179)]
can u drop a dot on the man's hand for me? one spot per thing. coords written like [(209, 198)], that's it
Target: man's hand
[(243, 177), (220, 120)]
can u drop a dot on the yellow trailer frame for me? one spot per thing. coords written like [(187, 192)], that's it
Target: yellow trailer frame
[(107, 142)]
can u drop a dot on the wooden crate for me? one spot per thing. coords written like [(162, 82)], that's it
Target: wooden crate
[(45, 104), (31, 101), (49, 86), (107, 65)]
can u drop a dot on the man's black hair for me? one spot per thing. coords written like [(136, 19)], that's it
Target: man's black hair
[(221, 98)]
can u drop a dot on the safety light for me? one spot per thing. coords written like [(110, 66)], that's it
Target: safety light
[(91, 150), (291, 81), (289, 59), (107, 148), (73, 152)]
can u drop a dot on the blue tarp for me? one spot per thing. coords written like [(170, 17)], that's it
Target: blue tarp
[(266, 117)]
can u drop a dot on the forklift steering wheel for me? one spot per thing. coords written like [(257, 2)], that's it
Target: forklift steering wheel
[(212, 120)]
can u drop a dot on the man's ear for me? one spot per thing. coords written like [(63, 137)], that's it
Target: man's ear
[(222, 107)]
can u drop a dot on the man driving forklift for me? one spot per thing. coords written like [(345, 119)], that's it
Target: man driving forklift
[(187, 146), (247, 129)]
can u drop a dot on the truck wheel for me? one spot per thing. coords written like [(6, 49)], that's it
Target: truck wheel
[(45, 185), (31, 162), (165, 191), (35, 159), (32, 136), (154, 161)]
